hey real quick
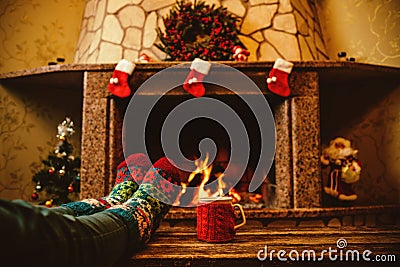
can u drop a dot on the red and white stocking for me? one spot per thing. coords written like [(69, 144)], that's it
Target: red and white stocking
[(277, 79), (119, 81), (193, 83)]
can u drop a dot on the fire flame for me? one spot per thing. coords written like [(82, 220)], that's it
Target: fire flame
[(205, 172), (200, 178)]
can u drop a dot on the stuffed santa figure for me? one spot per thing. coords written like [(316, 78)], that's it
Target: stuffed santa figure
[(345, 169)]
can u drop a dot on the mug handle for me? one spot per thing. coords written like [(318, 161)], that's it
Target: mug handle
[(243, 216)]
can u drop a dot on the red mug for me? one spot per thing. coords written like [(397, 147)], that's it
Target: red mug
[(216, 219)]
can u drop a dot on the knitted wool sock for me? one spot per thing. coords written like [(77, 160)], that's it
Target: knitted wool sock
[(130, 173), (144, 211)]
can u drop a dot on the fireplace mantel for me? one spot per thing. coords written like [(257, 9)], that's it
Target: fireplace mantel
[(334, 71), (298, 174)]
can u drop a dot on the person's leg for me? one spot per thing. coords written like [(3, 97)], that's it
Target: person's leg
[(147, 207), (128, 172), (37, 236)]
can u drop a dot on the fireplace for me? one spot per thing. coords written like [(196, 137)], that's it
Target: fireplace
[(296, 165), (295, 180)]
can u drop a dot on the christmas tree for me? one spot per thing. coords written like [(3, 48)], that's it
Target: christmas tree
[(60, 176)]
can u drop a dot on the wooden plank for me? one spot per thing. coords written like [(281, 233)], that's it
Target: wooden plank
[(178, 246), (244, 241), (300, 231)]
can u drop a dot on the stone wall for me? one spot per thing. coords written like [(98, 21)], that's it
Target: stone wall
[(117, 29)]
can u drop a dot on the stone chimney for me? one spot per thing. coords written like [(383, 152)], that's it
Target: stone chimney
[(116, 29)]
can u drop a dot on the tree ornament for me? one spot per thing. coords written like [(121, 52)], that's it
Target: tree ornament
[(49, 203), (38, 187), (52, 170), (35, 196), (65, 129), (61, 172), (198, 30), (70, 188), (77, 178)]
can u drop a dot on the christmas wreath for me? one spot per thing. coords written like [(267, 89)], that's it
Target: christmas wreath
[(198, 31)]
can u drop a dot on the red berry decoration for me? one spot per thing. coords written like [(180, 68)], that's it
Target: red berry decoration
[(35, 196), (70, 189), (199, 31)]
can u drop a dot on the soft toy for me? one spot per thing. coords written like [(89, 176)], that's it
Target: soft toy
[(240, 54), (345, 169)]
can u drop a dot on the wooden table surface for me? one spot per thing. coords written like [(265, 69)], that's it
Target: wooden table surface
[(178, 246)]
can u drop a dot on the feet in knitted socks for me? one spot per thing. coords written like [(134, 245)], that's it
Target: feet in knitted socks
[(130, 173), (149, 204)]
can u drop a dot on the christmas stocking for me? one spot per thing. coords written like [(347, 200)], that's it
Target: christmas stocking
[(193, 83), (147, 207), (130, 173), (278, 77), (119, 81)]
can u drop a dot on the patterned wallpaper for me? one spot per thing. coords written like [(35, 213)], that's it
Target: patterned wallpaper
[(367, 30), (32, 33), (35, 32), (28, 128)]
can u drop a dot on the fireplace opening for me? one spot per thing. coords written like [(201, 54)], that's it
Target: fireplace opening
[(193, 132)]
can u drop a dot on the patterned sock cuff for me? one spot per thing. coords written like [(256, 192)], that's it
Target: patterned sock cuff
[(157, 199), (130, 173), (164, 182), (85, 207), (143, 212), (121, 192)]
